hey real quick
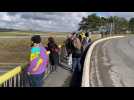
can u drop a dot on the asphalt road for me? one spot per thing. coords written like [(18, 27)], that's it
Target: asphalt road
[(112, 63)]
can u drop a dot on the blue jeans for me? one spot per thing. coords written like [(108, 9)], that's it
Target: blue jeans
[(76, 64), (36, 80)]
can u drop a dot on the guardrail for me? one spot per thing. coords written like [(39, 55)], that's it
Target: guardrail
[(17, 77), (11, 78), (86, 68)]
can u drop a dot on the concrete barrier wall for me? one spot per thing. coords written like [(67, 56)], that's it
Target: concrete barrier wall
[(86, 68)]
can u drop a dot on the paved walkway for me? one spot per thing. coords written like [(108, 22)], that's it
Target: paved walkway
[(61, 77), (58, 78)]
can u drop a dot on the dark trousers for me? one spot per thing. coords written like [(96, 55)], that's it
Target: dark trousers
[(53, 67), (76, 64), (36, 80)]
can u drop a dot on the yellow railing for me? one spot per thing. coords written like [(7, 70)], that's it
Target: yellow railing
[(10, 74)]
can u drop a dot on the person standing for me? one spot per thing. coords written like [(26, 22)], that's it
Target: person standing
[(54, 53), (76, 53), (76, 64), (86, 41), (68, 45), (38, 62)]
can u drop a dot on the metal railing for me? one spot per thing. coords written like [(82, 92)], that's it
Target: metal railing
[(18, 78), (11, 78)]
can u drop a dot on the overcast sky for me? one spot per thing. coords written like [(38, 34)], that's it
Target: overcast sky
[(50, 21)]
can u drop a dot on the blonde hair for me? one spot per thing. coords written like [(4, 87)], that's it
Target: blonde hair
[(77, 43)]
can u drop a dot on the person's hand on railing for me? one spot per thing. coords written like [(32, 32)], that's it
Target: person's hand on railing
[(48, 52), (24, 65), (28, 73), (59, 46)]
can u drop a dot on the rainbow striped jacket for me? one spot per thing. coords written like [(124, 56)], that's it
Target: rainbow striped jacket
[(38, 56)]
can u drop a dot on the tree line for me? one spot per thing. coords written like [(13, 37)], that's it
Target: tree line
[(97, 23)]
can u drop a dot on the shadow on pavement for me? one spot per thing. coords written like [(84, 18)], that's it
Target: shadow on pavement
[(77, 76), (76, 79)]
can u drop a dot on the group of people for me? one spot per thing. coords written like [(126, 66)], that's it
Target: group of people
[(40, 56), (76, 45)]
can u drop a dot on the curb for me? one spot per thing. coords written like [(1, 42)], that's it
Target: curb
[(86, 68)]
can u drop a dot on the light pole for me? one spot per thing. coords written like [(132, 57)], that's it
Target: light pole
[(109, 26), (111, 29)]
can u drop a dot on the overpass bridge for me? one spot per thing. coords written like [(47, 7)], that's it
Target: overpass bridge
[(16, 77)]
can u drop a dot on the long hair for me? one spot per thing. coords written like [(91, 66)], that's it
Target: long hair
[(80, 37), (51, 40), (77, 43)]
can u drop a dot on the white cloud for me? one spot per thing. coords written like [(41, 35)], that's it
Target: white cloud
[(4, 16), (50, 21)]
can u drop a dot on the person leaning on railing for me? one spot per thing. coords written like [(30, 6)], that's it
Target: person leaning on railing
[(38, 62), (54, 53), (68, 45)]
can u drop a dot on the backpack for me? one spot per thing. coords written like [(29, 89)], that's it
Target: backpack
[(55, 49)]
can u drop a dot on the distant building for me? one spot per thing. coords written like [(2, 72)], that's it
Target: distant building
[(103, 29)]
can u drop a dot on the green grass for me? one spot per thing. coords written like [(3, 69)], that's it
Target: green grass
[(16, 33), (16, 50), (95, 37)]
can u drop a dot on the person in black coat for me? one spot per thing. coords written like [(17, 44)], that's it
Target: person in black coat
[(54, 53)]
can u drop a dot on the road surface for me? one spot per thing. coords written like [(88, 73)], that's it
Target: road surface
[(112, 63)]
